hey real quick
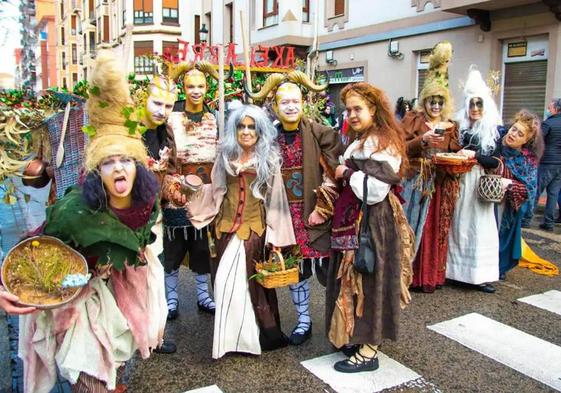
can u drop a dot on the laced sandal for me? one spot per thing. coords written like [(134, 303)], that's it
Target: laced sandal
[(358, 363), (173, 312), (301, 333), (207, 305)]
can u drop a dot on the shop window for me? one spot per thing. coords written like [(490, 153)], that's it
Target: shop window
[(305, 10)]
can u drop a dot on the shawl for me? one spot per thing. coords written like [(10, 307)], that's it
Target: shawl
[(99, 233)]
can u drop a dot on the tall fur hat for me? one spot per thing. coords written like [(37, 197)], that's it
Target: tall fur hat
[(108, 103), (436, 83)]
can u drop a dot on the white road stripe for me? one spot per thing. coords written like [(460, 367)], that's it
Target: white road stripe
[(550, 301), (523, 352), (207, 389), (390, 374)]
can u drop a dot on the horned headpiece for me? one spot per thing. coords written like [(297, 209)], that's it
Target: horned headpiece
[(273, 82)]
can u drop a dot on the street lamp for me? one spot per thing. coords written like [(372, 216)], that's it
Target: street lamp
[(203, 33)]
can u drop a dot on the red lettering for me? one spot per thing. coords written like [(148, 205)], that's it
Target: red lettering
[(231, 54), (199, 51), (183, 48), (213, 54), (279, 51), (290, 59)]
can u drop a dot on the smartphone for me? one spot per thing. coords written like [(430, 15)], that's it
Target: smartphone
[(439, 131)]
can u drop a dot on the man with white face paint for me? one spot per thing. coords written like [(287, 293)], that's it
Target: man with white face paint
[(192, 137), (309, 184)]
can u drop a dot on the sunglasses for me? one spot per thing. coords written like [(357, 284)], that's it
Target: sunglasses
[(476, 103)]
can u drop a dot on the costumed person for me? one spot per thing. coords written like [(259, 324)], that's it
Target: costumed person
[(429, 192), (363, 307), (192, 136), (521, 149), (110, 220), (473, 242), (248, 201), (309, 152)]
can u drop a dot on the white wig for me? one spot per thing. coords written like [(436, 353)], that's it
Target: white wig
[(486, 127), (267, 154)]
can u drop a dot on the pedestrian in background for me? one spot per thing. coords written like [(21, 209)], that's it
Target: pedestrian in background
[(549, 171)]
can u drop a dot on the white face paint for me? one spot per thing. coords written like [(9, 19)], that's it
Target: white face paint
[(118, 174), (247, 134)]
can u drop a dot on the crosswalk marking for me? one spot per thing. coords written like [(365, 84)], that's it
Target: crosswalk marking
[(206, 389), (523, 352), (390, 374), (550, 301)]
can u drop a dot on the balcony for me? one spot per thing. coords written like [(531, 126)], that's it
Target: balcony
[(462, 6)]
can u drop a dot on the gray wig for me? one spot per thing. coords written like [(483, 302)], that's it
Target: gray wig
[(266, 151)]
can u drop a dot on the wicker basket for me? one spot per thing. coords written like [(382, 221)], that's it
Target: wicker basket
[(490, 188), (453, 165), (281, 278)]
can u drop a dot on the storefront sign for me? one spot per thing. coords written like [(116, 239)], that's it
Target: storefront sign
[(517, 49), (346, 75), (284, 56)]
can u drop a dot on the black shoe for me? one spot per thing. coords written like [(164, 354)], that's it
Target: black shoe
[(487, 288), (349, 350), (173, 314), (546, 228), (364, 364), (502, 277), (206, 308), (166, 347), (300, 338)]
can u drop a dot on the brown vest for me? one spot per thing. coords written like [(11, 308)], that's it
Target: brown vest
[(241, 212)]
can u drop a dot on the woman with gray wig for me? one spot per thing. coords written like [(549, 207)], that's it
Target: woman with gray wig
[(247, 202)]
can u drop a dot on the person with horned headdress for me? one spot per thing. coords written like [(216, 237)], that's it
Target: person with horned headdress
[(473, 243), (429, 192), (310, 154), (111, 221), (248, 205), (192, 136)]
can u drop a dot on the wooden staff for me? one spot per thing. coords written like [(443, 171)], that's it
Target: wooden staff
[(246, 53), (221, 97)]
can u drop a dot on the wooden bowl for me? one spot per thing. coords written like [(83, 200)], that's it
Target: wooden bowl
[(33, 296)]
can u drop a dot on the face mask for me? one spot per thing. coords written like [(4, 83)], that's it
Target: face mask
[(547, 114)]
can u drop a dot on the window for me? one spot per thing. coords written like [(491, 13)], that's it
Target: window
[(73, 25), (339, 8), (143, 65), (98, 30), (170, 12), (270, 12), (143, 12), (105, 28), (208, 18), (74, 54), (62, 39), (63, 60), (124, 8), (197, 26), (62, 10), (422, 69), (229, 28), (92, 43), (74, 78), (305, 10)]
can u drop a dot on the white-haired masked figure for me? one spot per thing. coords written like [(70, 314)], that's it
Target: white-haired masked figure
[(247, 202), (473, 251)]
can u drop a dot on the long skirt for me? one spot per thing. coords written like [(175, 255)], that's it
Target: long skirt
[(381, 309), (247, 316), (416, 207), (473, 242), (429, 266)]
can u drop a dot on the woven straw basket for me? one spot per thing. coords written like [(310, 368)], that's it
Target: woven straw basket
[(490, 188), (281, 278)]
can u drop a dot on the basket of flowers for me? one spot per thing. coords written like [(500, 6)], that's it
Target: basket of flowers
[(277, 271), (44, 272), (453, 163)]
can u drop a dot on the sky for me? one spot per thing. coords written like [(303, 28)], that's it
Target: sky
[(9, 34)]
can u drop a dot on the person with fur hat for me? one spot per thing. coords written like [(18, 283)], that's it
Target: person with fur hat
[(111, 220), (310, 154), (473, 243), (192, 136), (430, 193)]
